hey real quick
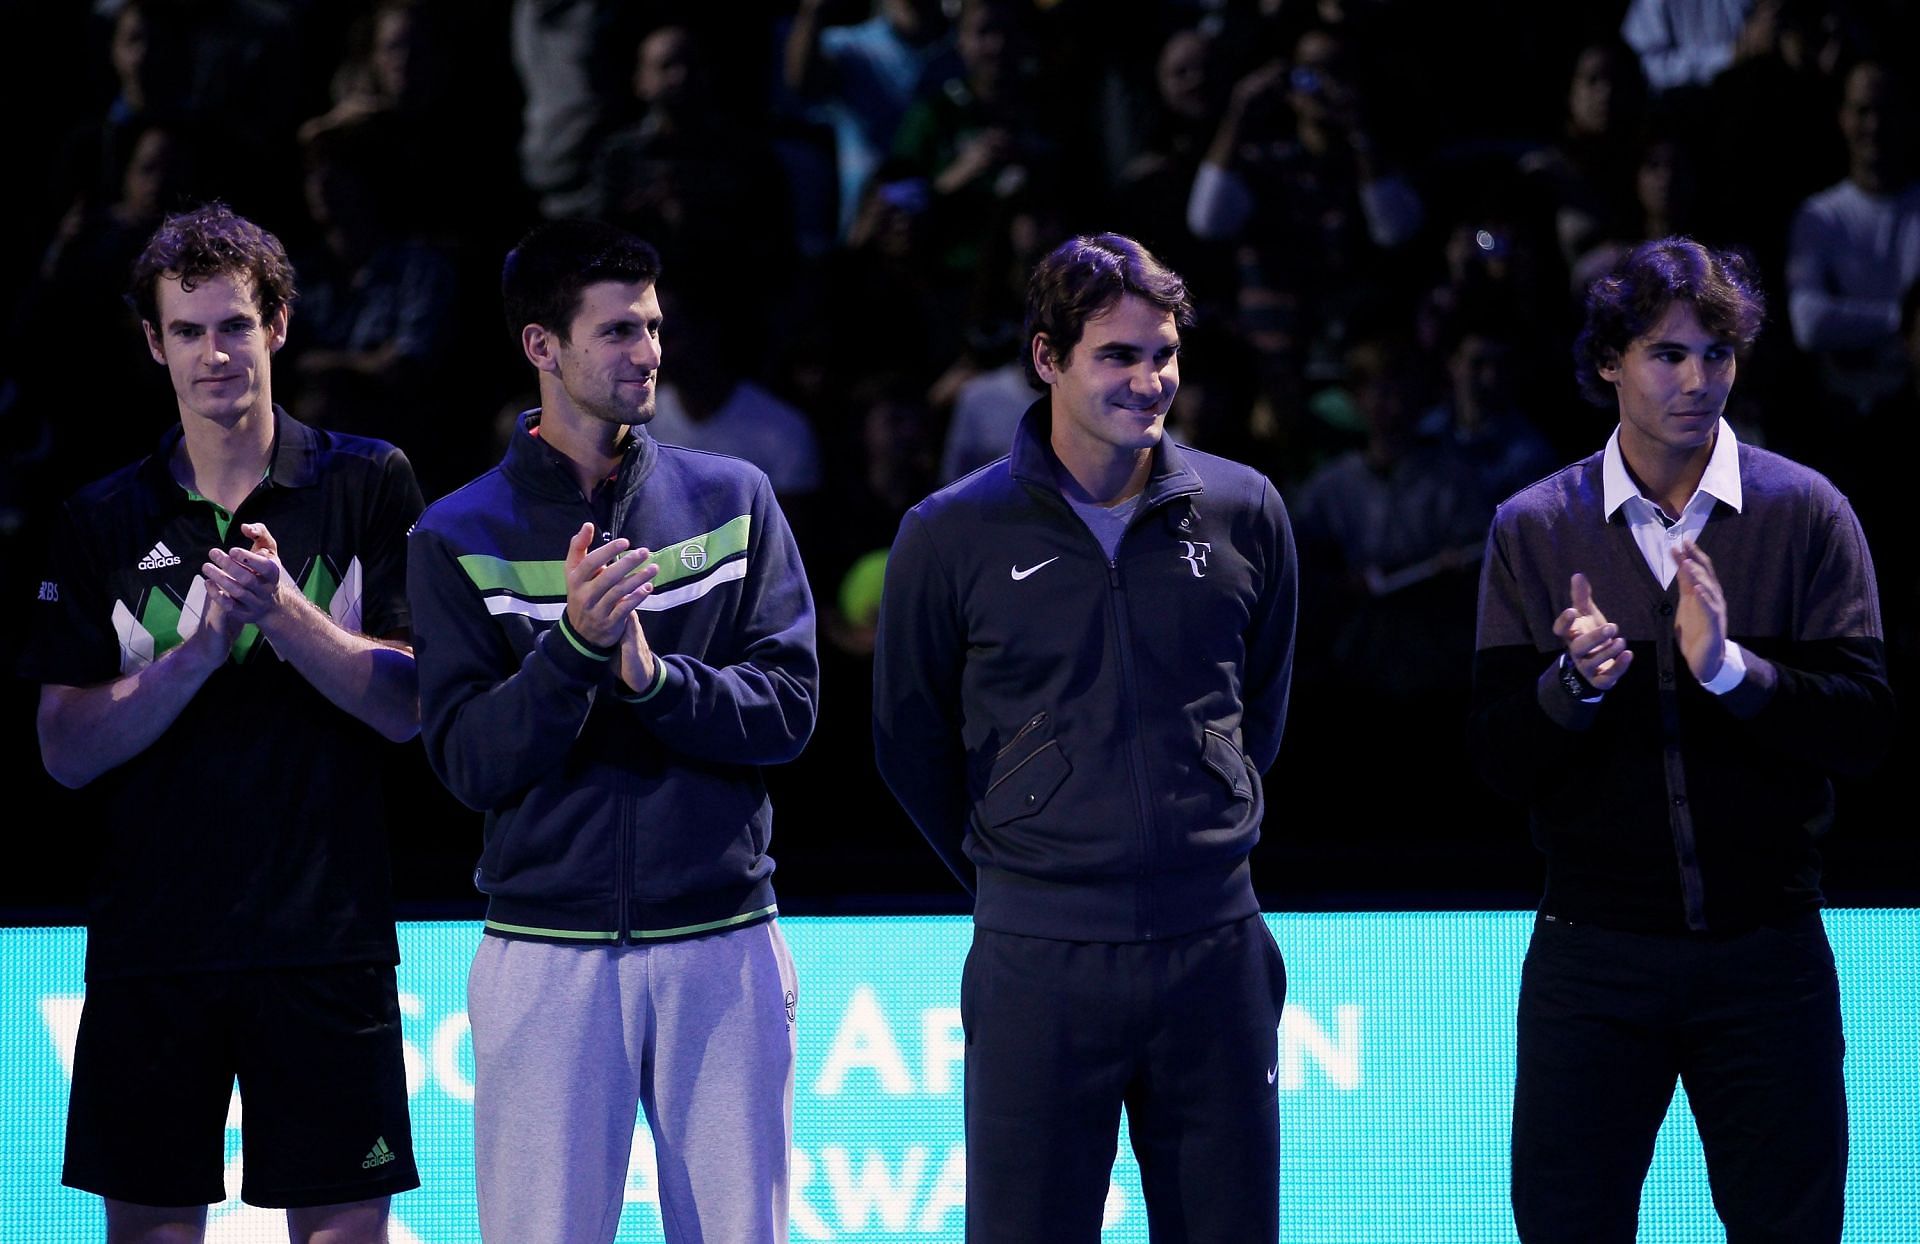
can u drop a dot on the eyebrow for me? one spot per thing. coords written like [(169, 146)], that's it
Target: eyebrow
[(178, 322), (624, 319), (1686, 345)]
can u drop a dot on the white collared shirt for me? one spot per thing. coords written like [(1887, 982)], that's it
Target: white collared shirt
[(1657, 538)]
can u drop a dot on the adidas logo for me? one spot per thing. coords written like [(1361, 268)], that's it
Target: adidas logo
[(159, 557), (379, 1155)]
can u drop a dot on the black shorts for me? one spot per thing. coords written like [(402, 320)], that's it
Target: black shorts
[(323, 1085)]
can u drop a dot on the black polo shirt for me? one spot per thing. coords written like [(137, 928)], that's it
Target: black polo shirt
[(250, 833)]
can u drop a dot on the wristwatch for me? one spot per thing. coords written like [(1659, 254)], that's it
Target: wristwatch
[(1575, 685)]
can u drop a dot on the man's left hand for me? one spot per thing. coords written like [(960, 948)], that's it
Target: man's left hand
[(251, 581), (1700, 625), (636, 656)]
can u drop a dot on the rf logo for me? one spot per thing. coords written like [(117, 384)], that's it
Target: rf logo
[(1196, 556), (693, 556)]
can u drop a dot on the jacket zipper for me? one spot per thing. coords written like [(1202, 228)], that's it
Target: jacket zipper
[(1136, 766), (623, 826), (1033, 723), (1136, 753)]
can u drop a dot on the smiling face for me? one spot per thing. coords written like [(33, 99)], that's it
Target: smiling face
[(1672, 382), (215, 346), (1112, 389), (605, 371)]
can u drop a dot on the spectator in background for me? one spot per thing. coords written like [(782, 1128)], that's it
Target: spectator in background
[(379, 304), (1295, 172), (979, 134), (987, 388), (1855, 247), (569, 56), (711, 403), (1389, 538), (1777, 96), (986, 410), (73, 319), (1666, 201), (405, 69), (1585, 181), (1481, 417), (862, 77), (1684, 43), (888, 262), (146, 88), (1319, 179), (1192, 80), (689, 174)]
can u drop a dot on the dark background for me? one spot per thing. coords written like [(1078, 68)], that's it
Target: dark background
[(1372, 803)]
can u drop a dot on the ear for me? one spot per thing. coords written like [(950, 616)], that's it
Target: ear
[(541, 347), (277, 328), (153, 343), (1043, 361), (1610, 370)]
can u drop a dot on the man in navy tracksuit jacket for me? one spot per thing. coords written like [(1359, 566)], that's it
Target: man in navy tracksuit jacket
[(1675, 753), (1081, 672), (614, 635)]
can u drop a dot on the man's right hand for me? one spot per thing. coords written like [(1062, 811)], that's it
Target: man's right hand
[(604, 585), (1593, 643)]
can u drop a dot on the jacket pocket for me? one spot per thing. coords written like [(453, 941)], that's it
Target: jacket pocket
[(1219, 754), (1024, 778)]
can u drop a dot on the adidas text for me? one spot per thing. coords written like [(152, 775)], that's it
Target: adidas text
[(158, 558)]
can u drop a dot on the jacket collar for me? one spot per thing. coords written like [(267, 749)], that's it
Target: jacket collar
[(540, 468), (1033, 462)]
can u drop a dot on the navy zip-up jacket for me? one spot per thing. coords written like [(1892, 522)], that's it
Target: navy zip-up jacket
[(613, 816), (1082, 740)]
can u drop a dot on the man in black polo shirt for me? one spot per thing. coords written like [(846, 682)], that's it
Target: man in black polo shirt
[(220, 640)]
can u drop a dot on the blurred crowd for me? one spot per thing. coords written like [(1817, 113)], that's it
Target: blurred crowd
[(1386, 210)]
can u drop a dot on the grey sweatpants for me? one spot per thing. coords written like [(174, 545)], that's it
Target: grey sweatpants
[(568, 1040)]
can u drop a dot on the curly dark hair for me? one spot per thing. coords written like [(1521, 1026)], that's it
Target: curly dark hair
[(1723, 287), (211, 241), (1083, 277)]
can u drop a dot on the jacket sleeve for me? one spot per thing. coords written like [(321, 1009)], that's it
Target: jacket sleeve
[(1827, 699), (493, 724), (759, 709), (1523, 728), (1270, 636), (919, 654)]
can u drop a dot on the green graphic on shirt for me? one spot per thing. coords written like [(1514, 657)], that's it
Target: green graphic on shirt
[(159, 628), (547, 580)]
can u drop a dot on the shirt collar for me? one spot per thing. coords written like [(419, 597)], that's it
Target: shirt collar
[(1721, 480), (293, 462)]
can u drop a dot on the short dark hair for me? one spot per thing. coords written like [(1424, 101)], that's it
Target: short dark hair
[(1722, 286), (211, 241), (1085, 276), (544, 276)]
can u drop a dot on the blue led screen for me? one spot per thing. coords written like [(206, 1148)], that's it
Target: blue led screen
[(1395, 1079)]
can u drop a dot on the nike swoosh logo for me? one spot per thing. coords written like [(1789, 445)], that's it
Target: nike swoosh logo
[(1019, 574), (1270, 1072)]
